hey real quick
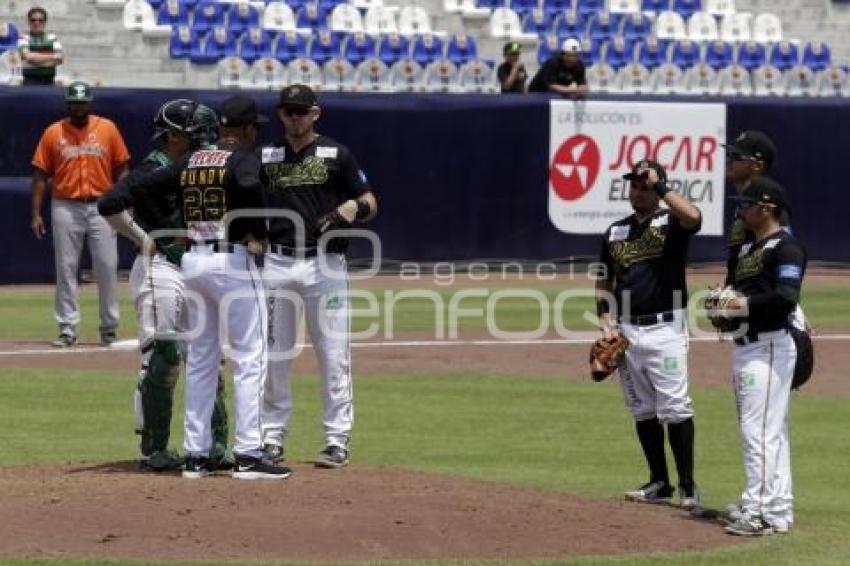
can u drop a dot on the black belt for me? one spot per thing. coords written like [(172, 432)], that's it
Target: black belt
[(87, 200), (218, 247), (649, 319), (293, 252), (751, 337)]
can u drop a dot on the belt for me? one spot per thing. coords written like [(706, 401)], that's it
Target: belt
[(293, 252), (751, 337), (218, 247), (649, 319), (87, 200)]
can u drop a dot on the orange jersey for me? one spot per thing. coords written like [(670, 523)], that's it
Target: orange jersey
[(81, 161)]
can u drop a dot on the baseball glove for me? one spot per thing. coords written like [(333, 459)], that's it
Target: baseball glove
[(805, 357), (605, 355), (330, 221), (723, 318)]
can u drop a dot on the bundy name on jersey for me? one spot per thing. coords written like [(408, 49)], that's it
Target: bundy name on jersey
[(649, 245), (204, 197)]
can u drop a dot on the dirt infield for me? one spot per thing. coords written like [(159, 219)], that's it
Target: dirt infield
[(350, 514)]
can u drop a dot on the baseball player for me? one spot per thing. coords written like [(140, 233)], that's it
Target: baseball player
[(645, 256), (768, 274), (217, 186), (319, 179), (157, 287)]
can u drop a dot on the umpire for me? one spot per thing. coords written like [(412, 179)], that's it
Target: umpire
[(645, 255)]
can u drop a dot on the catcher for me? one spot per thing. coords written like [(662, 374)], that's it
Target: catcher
[(766, 290), (645, 293)]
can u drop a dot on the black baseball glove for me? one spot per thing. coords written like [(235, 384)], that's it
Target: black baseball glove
[(805, 357)]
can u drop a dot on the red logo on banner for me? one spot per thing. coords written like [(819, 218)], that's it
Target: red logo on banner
[(574, 167)]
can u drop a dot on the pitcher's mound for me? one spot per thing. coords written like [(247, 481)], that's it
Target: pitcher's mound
[(357, 513)]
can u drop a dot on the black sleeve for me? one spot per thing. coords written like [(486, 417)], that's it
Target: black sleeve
[(117, 200), (353, 177), (246, 176), (543, 78), (581, 78), (738, 234), (502, 72), (605, 256), (161, 181), (790, 266)]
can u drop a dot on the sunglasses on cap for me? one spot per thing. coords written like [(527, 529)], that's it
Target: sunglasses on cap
[(295, 111)]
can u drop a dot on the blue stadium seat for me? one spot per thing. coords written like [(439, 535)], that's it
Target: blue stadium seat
[(8, 36), (636, 26), (190, 4), (329, 5), (656, 6), (601, 27), (289, 46), (208, 14), (216, 45), (173, 13), (570, 24), (359, 47), (751, 55), (312, 16), (296, 5), (685, 54), (591, 51), (492, 4), (539, 21), (555, 7), (719, 54), (687, 8), (586, 8), (324, 47), (523, 7), (816, 56), (241, 17), (619, 53), (549, 45), (461, 49), (183, 41), (392, 49), (784, 55), (155, 4), (255, 44), (426, 49), (651, 54)]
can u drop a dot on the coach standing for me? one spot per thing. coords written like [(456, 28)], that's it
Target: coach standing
[(84, 155)]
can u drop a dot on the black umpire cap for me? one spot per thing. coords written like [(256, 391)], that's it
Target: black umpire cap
[(644, 164), (297, 96), (753, 144), (763, 190), (238, 111)]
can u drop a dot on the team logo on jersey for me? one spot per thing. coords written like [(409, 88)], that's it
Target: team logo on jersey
[(650, 245), (311, 171), (209, 158), (749, 265)]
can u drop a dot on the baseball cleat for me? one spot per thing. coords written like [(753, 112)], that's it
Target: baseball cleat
[(732, 513), (688, 498), (272, 453), (657, 492), (745, 527), (161, 461), (332, 457), (781, 527), (65, 341), (108, 337), (257, 469), (195, 468)]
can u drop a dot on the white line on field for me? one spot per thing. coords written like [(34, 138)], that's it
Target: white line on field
[(127, 345)]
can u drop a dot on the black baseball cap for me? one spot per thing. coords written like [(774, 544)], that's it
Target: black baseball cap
[(753, 144), (238, 111), (763, 190), (646, 164), (78, 91), (297, 96), (512, 47)]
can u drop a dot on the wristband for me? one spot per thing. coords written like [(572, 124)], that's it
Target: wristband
[(601, 307), (661, 188), (363, 209)]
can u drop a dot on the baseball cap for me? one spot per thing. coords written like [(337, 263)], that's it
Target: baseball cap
[(297, 96), (240, 110), (646, 164), (512, 47), (753, 144), (763, 190), (78, 91), (571, 45)]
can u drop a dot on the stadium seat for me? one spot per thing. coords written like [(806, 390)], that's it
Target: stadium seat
[(619, 53), (636, 26), (413, 20), (702, 27), (477, 77), (557, 7), (549, 45), (290, 45), (441, 76), (816, 56), (305, 71), (312, 16), (406, 76), (719, 55), (586, 8), (654, 7), (601, 27), (372, 76), (182, 43), (767, 28), (784, 55), (601, 77), (346, 18), (427, 48), (256, 43), (685, 54), (719, 8), (833, 82), (801, 81), (670, 25), (736, 28), (338, 74), (505, 24), (489, 4), (768, 81), (173, 13), (216, 45), (569, 24), (278, 17), (701, 79), (358, 47), (380, 20), (751, 55), (10, 68), (591, 51), (8, 36), (325, 46), (393, 48), (539, 21), (523, 7), (208, 14), (686, 8), (634, 78), (624, 6), (668, 79), (364, 5), (136, 13), (461, 48), (268, 73), (470, 10), (233, 73), (734, 80), (241, 17), (651, 54)]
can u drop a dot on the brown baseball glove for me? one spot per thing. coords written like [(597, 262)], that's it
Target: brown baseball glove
[(718, 311), (605, 355)]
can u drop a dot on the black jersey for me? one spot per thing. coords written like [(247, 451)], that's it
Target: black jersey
[(770, 273), (502, 74), (647, 261), (554, 71), (311, 182)]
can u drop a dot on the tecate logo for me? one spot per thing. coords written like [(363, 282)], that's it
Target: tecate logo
[(574, 167)]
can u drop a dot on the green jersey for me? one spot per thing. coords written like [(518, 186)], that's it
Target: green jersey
[(44, 43)]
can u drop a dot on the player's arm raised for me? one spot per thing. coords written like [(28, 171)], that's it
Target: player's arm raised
[(681, 208)]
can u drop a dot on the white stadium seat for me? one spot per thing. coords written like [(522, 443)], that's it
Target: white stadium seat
[(414, 20), (768, 81), (268, 73), (278, 17), (767, 28), (339, 75), (380, 20), (801, 81), (406, 76), (441, 76), (10, 68), (736, 28), (719, 7), (701, 79), (372, 76), (668, 79), (136, 14), (305, 71), (634, 78), (505, 24), (233, 72), (670, 25), (833, 81), (601, 77), (734, 80), (476, 76), (702, 27), (346, 18)]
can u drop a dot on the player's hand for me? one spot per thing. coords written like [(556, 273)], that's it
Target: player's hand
[(651, 176), (348, 211), (37, 227), (255, 246)]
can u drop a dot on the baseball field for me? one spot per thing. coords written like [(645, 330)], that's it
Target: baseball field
[(479, 438)]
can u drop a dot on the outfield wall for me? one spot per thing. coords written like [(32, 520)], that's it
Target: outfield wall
[(458, 176)]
